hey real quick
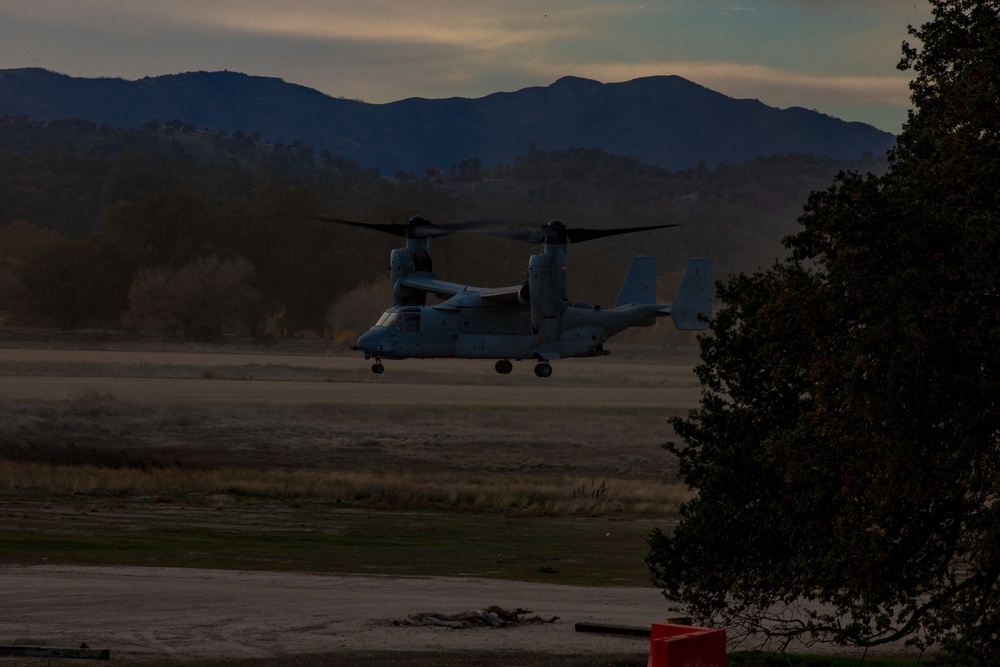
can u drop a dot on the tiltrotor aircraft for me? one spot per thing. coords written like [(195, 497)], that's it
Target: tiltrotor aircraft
[(533, 320)]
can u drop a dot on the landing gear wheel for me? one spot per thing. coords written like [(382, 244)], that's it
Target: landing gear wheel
[(543, 370), (504, 366), (377, 367)]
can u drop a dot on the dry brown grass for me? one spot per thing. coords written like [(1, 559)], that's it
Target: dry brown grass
[(539, 458), (546, 495)]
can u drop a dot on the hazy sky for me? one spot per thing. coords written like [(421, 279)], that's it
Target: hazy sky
[(837, 56)]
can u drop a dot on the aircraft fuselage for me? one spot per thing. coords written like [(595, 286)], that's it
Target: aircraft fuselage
[(497, 332)]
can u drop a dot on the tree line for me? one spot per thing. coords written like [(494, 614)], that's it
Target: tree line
[(97, 221)]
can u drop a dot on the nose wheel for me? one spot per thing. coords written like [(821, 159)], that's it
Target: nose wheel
[(504, 366), (377, 367), (543, 370)]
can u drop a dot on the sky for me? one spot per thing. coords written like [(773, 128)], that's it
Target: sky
[(835, 56)]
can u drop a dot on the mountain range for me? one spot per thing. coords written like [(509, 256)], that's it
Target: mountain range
[(666, 121)]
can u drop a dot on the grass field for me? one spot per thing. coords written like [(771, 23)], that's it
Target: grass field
[(384, 486), (100, 437), (299, 459), (309, 534), (305, 461)]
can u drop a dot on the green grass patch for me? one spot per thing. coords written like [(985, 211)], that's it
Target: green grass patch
[(751, 659), (262, 533), (512, 657)]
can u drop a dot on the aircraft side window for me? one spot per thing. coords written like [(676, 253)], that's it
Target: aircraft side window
[(411, 322)]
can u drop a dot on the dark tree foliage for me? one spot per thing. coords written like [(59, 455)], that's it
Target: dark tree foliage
[(166, 194), (847, 448)]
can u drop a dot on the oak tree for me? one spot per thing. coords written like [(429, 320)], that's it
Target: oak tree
[(846, 451)]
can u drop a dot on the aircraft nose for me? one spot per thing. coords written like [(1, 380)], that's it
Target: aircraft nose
[(376, 341)]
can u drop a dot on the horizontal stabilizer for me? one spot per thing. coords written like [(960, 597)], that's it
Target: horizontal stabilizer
[(692, 308)]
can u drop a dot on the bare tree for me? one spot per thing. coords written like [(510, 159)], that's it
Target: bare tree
[(199, 301), (360, 308)]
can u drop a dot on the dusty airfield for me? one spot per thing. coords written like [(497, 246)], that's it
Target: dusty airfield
[(319, 406), (593, 417), (324, 408), (189, 614)]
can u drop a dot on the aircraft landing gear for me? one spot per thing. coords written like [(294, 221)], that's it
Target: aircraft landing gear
[(504, 366), (377, 367), (543, 370)]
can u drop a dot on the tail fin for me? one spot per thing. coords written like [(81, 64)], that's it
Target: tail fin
[(694, 296), (640, 283)]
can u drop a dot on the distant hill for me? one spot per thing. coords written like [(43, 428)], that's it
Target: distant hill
[(664, 120)]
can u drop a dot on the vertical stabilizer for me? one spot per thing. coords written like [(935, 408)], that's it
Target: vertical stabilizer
[(694, 296), (640, 283)]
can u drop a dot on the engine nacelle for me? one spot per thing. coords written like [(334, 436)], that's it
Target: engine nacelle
[(547, 294), (403, 262)]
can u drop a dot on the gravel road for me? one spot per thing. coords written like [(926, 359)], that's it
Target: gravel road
[(141, 612)]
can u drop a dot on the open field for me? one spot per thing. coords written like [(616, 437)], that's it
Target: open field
[(232, 506), (265, 466), (594, 418)]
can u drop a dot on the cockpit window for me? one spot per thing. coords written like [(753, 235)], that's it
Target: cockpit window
[(390, 318), (406, 320)]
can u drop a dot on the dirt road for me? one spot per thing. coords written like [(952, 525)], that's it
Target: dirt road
[(594, 417), (185, 614), (234, 392), (179, 378)]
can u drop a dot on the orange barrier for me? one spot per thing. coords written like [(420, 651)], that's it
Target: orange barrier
[(685, 646)]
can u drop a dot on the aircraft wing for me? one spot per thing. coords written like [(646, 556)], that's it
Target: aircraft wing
[(426, 282), (501, 294), (478, 297)]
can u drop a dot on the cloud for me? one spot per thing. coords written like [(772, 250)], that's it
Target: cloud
[(813, 53), (869, 6), (770, 84), (406, 27), (473, 24)]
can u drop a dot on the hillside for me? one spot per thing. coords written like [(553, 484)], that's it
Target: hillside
[(87, 212), (665, 121)]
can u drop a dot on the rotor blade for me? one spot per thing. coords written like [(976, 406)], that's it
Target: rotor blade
[(394, 228), (526, 235), (416, 227), (579, 235), (574, 235), (459, 226), (419, 228), (462, 225)]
